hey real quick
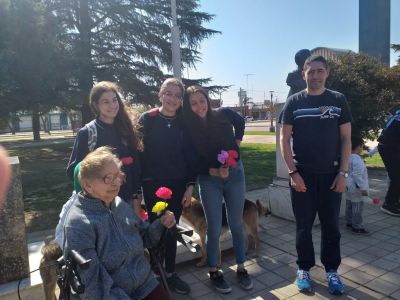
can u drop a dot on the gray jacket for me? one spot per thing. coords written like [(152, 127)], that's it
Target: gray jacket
[(114, 239)]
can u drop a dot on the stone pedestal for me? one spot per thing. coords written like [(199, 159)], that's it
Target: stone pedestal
[(14, 263)]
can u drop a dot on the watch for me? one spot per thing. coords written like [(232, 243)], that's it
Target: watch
[(344, 174)]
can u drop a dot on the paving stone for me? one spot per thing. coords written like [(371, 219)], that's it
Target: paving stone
[(384, 264), (353, 262), (395, 295), (365, 294), (286, 272), (358, 276), (382, 286), (391, 277), (372, 270), (210, 296), (270, 279), (199, 289), (393, 257), (285, 291), (285, 258)]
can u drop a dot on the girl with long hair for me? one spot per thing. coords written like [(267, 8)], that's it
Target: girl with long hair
[(113, 127), (221, 177)]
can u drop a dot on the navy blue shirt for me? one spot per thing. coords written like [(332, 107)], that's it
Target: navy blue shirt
[(316, 136), (107, 135), (165, 152)]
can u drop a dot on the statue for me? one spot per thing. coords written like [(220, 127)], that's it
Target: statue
[(295, 79)]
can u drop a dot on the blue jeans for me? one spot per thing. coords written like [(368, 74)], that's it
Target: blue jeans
[(231, 189)]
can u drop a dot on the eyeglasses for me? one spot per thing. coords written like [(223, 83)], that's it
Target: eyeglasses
[(170, 95), (110, 178)]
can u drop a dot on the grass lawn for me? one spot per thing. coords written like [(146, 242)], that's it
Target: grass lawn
[(46, 187), (259, 164), (374, 162), (255, 132), (44, 182)]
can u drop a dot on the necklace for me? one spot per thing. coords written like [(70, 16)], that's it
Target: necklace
[(168, 120)]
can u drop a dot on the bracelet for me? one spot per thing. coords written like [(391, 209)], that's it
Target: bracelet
[(293, 172)]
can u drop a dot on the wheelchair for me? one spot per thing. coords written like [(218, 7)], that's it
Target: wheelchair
[(64, 270)]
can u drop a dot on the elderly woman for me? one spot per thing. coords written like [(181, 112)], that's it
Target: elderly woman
[(102, 227)]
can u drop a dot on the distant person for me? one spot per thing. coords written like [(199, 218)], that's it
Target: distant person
[(5, 174), (357, 188), (318, 120), (113, 127), (212, 132), (389, 149)]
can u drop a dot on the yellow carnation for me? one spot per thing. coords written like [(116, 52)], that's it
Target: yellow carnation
[(159, 207)]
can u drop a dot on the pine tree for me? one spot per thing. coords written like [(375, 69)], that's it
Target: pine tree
[(126, 41)]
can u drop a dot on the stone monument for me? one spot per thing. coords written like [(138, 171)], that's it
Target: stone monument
[(14, 263)]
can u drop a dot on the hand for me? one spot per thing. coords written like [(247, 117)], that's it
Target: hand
[(223, 172), (339, 184), (187, 196), (213, 172), (297, 183), (168, 219)]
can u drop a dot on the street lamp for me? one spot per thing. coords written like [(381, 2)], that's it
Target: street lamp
[(272, 128)]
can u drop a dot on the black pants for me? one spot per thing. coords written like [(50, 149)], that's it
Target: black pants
[(318, 198), (391, 159), (178, 188)]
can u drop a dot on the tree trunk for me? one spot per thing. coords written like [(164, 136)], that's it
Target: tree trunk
[(36, 125), (84, 54)]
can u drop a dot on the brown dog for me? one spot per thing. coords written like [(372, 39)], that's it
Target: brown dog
[(194, 215), (51, 252)]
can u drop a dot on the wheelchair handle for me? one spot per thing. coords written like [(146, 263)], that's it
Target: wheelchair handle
[(78, 259)]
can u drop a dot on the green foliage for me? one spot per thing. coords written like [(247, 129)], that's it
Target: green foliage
[(371, 89), (128, 42)]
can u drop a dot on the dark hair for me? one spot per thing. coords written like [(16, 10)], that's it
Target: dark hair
[(204, 131), (313, 58), (356, 141), (124, 118)]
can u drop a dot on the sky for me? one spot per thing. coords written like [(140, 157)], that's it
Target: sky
[(261, 37)]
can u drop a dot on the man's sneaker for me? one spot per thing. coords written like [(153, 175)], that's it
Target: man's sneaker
[(335, 285), (178, 285), (393, 210), (244, 279), (304, 281), (219, 282)]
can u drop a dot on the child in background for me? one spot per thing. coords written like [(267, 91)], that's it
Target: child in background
[(356, 188)]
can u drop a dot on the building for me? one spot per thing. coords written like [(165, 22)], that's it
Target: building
[(330, 53), (374, 29)]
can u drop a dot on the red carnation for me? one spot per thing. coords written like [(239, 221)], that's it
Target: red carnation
[(127, 160), (164, 193), (231, 160), (143, 215)]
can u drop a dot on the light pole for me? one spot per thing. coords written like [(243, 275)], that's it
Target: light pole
[(272, 128), (176, 51)]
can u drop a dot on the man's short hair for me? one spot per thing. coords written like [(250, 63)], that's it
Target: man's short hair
[(313, 58)]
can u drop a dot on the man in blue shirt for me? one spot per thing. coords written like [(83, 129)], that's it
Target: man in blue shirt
[(318, 120)]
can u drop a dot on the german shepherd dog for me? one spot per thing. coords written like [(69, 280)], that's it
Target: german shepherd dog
[(194, 215)]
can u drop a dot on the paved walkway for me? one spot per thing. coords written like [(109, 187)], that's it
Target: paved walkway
[(370, 265)]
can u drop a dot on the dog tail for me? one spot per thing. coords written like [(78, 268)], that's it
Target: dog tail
[(51, 251), (48, 268)]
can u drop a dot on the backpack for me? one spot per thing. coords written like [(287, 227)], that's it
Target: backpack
[(92, 135)]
